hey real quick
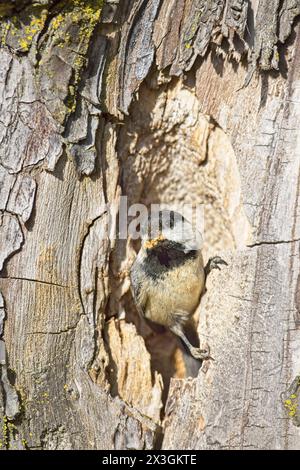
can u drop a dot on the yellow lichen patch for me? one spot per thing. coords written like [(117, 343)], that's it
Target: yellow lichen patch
[(5, 30), (291, 405), (152, 243), (37, 21), (57, 21), (24, 44), (19, 31), (5, 431), (71, 29), (86, 13), (24, 442)]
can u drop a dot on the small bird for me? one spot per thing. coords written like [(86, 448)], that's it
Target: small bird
[(168, 275)]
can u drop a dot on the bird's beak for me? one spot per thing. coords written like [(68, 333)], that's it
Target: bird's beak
[(149, 244)]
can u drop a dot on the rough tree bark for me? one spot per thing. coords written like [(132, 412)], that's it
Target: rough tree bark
[(163, 101)]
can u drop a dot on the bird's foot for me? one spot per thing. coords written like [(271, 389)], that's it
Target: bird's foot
[(214, 263), (201, 354)]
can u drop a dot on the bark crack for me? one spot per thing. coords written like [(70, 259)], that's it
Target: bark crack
[(67, 330), (273, 242), (38, 281)]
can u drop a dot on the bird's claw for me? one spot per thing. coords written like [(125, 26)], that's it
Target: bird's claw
[(213, 263)]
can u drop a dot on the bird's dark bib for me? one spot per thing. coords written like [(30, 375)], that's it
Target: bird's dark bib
[(165, 256)]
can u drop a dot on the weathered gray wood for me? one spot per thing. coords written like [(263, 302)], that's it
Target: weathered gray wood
[(147, 100)]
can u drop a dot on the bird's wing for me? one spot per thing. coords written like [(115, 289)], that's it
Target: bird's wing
[(141, 298), (140, 294)]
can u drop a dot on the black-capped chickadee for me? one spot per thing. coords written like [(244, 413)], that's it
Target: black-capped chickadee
[(168, 274)]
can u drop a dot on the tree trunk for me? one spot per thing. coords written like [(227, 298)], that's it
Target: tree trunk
[(164, 101)]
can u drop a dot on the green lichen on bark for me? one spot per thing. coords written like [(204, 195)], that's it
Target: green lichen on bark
[(4, 439), (19, 32), (291, 399), (68, 38), (56, 35)]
